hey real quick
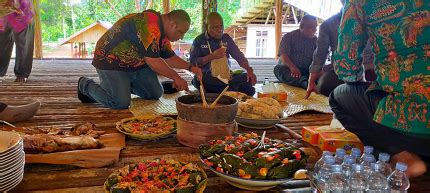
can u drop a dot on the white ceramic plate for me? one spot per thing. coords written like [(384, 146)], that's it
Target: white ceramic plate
[(248, 184)]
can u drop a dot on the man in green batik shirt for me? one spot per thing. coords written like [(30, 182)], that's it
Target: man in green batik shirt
[(392, 113)]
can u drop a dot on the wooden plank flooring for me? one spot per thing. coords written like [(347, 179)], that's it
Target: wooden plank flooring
[(53, 82)]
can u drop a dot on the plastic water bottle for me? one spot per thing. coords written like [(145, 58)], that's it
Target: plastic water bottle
[(377, 181), (340, 153), (320, 162), (398, 181), (325, 171), (367, 163), (266, 81), (347, 165), (337, 181), (356, 152), (367, 150), (383, 159), (357, 181)]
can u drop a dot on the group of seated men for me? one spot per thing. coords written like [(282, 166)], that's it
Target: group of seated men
[(136, 49)]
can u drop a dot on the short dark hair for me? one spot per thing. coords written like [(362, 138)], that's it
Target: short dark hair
[(308, 18), (179, 16), (213, 15)]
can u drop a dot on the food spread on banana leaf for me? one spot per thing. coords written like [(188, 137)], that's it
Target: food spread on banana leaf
[(240, 155), (157, 176)]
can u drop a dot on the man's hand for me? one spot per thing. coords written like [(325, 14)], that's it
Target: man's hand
[(217, 54), (250, 77), (295, 72), (312, 87), (180, 84), (197, 71)]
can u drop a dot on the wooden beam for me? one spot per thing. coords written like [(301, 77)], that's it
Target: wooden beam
[(113, 8), (166, 6), (278, 25), (207, 7), (268, 17), (137, 5), (294, 15), (38, 49)]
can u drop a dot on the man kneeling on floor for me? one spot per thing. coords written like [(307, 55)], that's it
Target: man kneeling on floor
[(211, 51), (131, 53)]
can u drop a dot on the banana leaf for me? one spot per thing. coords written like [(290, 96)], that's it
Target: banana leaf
[(262, 162), (234, 160)]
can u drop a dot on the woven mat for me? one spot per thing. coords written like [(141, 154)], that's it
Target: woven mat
[(166, 105), (297, 103)]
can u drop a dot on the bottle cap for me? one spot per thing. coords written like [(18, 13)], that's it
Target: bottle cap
[(401, 166), (336, 168), (329, 160), (368, 149), (324, 153), (348, 159), (385, 157), (375, 166), (369, 158), (357, 167), (356, 152), (340, 152)]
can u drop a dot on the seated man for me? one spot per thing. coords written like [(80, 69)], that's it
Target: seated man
[(131, 53), (207, 48), (324, 74), (295, 53), (13, 114), (392, 114)]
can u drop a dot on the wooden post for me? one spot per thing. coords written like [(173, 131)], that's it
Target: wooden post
[(38, 49), (137, 5), (207, 7), (166, 6), (278, 25)]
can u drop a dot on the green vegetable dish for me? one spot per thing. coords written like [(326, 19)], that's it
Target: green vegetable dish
[(157, 176), (239, 156)]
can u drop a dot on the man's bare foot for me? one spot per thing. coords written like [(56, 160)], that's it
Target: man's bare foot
[(13, 114), (416, 166), (21, 79)]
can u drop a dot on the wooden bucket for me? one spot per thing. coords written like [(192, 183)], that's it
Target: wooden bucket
[(193, 134), (190, 108)]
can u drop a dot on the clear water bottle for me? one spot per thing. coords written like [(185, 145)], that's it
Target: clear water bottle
[(337, 182), (377, 181), (356, 152), (347, 165), (320, 162), (357, 181), (367, 150), (340, 153), (325, 171), (398, 181), (266, 81), (367, 164), (383, 159)]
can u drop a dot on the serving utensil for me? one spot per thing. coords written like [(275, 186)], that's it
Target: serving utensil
[(219, 96)]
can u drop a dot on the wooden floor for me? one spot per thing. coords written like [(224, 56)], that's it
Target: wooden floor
[(53, 82)]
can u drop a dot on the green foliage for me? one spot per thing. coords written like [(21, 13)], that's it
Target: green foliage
[(62, 18)]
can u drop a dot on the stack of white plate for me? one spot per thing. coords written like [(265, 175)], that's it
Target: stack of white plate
[(12, 160)]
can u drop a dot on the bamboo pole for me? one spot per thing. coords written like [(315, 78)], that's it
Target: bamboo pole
[(38, 49), (137, 5), (113, 8), (278, 25), (166, 6)]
